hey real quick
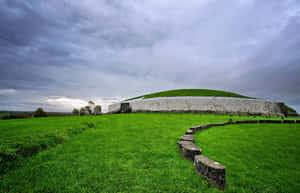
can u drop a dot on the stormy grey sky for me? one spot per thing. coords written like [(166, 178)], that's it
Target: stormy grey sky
[(59, 54)]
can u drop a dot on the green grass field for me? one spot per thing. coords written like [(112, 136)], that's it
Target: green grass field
[(138, 153), (258, 157), (191, 92)]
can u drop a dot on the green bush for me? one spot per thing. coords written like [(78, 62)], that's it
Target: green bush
[(40, 113)]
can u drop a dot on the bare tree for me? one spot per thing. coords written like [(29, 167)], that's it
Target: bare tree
[(82, 111), (88, 109), (92, 105)]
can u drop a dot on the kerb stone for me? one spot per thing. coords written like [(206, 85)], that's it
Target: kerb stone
[(181, 143), (189, 132), (214, 171), (246, 121), (187, 138), (269, 121), (288, 121), (189, 151)]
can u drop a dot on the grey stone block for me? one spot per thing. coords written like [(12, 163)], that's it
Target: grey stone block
[(202, 127), (189, 132), (214, 171), (275, 121), (269, 121), (229, 122), (217, 124), (187, 138), (189, 151), (288, 121), (195, 128), (181, 143), (246, 121)]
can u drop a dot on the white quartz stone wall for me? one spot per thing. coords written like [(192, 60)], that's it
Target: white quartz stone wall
[(204, 104), (113, 108)]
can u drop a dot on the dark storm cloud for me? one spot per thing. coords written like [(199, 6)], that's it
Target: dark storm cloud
[(75, 51), (275, 67)]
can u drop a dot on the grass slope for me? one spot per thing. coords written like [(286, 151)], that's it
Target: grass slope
[(26, 137), (191, 92), (290, 110), (138, 153)]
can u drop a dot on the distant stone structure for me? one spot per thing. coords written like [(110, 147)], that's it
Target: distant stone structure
[(219, 105)]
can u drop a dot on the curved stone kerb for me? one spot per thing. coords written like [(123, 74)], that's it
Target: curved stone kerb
[(187, 138), (214, 171)]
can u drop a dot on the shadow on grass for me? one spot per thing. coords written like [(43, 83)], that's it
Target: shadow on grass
[(12, 154)]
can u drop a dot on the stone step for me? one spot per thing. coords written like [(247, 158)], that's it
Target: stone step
[(187, 138), (181, 143), (288, 121), (189, 151), (218, 124), (205, 126), (200, 127), (214, 171), (246, 121), (194, 128), (189, 132), (270, 121)]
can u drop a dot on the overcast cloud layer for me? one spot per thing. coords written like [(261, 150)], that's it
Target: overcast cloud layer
[(59, 54)]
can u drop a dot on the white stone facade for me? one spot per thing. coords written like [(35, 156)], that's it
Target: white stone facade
[(203, 104)]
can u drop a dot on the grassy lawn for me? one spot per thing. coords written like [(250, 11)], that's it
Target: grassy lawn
[(191, 92), (138, 153), (258, 157)]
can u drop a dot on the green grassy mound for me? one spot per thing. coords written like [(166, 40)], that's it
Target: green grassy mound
[(191, 92), (138, 153), (204, 93), (291, 111)]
